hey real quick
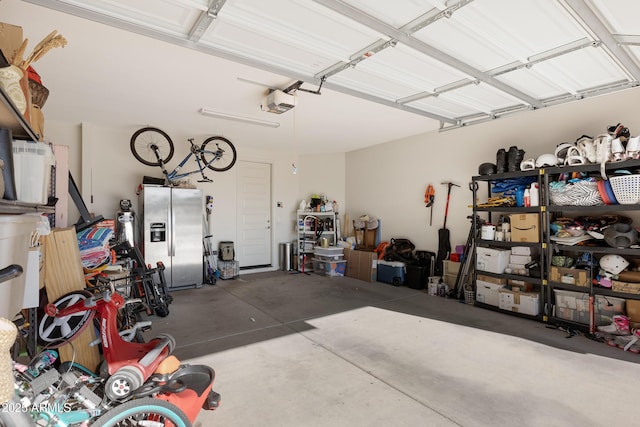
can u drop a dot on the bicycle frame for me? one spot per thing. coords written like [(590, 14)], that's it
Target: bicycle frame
[(194, 151)]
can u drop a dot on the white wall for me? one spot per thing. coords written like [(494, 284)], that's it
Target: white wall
[(323, 174), (388, 181), (106, 172)]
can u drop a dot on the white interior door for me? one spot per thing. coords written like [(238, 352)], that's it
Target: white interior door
[(254, 214)]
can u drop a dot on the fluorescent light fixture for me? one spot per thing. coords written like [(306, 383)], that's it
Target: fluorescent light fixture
[(210, 113)]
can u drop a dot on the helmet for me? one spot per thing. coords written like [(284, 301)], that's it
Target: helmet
[(633, 147), (613, 264), (619, 131), (587, 148), (620, 235), (562, 151), (618, 150), (574, 157), (487, 169), (528, 165), (546, 160)]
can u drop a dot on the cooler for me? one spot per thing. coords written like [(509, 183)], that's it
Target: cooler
[(391, 272)]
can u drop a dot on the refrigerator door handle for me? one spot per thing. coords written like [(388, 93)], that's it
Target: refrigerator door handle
[(172, 233)]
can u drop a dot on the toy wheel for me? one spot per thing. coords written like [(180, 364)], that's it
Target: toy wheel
[(220, 156), (56, 331), (145, 140), (125, 381)]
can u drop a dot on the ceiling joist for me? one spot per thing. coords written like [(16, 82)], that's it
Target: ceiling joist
[(456, 61)]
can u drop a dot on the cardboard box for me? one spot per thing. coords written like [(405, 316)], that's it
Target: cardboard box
[(361, 265), (10, 39), (450, 280), (365, 238), (450, 267), (633, 310), (495, 280), (625, 287), (524, 250), (520, 285), (519, 302), (520, 259), (570, 276), (525, 227), (487, 293), (492, 260)]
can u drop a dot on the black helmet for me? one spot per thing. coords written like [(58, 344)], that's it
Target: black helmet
[(487, 169)]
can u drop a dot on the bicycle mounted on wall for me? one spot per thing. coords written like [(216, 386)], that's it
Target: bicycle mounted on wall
[(153, 147)]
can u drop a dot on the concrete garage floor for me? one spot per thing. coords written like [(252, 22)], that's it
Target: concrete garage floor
[(305, 350)]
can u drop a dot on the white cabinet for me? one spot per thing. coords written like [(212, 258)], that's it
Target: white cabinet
[(312, 227)]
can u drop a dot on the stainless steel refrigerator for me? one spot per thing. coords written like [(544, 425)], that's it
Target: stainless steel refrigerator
[(173, 231)]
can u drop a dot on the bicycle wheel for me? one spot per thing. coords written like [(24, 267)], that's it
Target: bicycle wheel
[(220, 158), (144, 141), (144, 411), (56, 331)]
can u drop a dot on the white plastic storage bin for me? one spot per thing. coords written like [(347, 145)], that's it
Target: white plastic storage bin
[(331, 251), (15, 234), (32, 162)]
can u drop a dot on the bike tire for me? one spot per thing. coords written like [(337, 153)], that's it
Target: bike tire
[(144, 139), (146, 408), (228, 157)]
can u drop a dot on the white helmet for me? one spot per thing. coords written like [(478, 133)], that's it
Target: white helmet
[(528, 165), (574, 157), (546, 160), (613, 264), (562, 150), (602, 144), (618, 150), (633, 147), (587, 148)]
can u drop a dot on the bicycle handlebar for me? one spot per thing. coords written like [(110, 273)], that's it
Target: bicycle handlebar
[(10, 272)]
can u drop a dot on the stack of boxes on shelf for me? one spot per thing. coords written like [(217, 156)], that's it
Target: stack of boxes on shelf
[(507, 294), (329, 261)]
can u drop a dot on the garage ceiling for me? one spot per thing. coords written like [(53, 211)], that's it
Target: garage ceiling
[(458, 62)]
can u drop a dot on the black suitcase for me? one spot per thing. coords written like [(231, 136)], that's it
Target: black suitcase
[(419, 272)]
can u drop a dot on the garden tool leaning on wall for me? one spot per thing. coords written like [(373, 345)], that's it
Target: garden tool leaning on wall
[(429, 198)]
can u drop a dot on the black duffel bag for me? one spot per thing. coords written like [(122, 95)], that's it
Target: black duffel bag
[(400, 250)]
